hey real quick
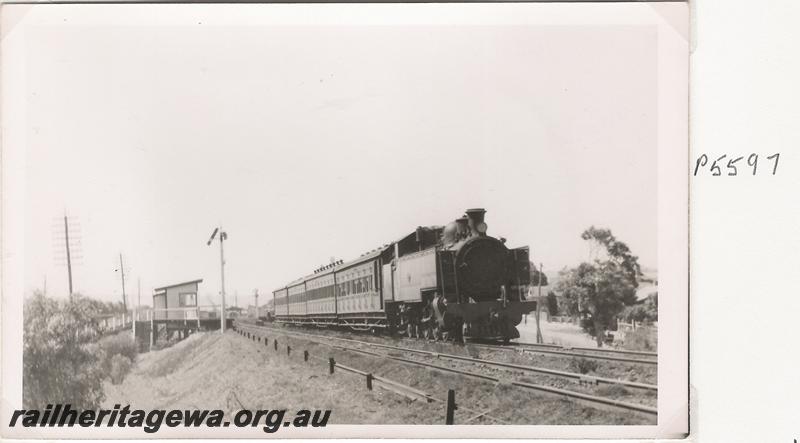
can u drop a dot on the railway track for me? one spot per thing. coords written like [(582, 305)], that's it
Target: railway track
[(616, 355), (557, 350), (599, 350), (526, 368), (584, 397)]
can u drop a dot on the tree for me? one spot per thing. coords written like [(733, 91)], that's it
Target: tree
[(601, 289), (552, 303), (60, 364), (536, 275), (643, 311)]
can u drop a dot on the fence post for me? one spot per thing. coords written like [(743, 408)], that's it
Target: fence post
[(288, 350), (275, 342), (266, 341), (305, 355), (451, 406), (369, 382), (331, 365)]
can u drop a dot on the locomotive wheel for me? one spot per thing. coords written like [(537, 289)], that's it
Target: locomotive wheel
[(427, 332), (438, 335), (459, 333)]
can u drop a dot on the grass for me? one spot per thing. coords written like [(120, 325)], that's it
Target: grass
[(583, 365), (612, 391), (168, 360), (642, 339)]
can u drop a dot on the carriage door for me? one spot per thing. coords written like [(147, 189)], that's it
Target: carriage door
[(388, 283)]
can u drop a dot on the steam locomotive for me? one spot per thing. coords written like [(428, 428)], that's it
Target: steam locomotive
[(451, 282)]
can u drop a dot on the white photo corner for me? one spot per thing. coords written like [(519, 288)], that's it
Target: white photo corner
[(345, 220)]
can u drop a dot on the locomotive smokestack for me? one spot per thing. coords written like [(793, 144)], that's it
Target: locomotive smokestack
[(476, 223)]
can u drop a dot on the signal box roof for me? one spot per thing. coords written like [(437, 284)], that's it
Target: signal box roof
[(179, 284)]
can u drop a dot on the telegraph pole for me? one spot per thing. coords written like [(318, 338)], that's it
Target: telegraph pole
[(222, 274), (539, 338), (222, 236), (255, 296), (122, 273), (138, 305), (69, 261)]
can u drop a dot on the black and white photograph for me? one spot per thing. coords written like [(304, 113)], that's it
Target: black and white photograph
[(306, 220)]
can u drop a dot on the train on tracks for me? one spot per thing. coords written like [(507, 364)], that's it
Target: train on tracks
[(438, 282)]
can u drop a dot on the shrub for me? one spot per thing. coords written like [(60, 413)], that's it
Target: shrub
[(642, 339), (583, 365), (119, 344), (58, 363), (120, 366)]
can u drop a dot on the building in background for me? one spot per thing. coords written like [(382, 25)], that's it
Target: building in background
[(171, 302)]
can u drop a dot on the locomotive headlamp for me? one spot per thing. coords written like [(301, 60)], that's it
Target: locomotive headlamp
[(481, 227)]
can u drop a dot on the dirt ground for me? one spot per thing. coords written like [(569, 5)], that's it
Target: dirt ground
[(555, 333), (229, 372)]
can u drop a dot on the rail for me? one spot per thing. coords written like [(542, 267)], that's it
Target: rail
[(547, 389), (529, 348), (581, 348), (552, 372)]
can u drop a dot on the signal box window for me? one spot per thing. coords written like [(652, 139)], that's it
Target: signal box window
[(188, 299)]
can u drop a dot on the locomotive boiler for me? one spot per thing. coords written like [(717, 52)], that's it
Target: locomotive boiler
[(450, 282)]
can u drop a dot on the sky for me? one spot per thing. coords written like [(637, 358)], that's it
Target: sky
[(312, 142)]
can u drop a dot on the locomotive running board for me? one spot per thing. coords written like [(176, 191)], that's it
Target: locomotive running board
[(469, 311)]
